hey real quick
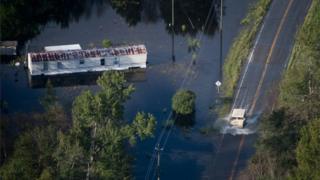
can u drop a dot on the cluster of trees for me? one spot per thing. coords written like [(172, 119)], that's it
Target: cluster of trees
[(289, 142), (94, 146)]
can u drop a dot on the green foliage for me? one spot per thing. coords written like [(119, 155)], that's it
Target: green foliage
[(242, 45), (289, 141), (106, 43), (183, 102), (46, 175), (308, 152), (279, 133), (31, 156), (97, 140), (144, 125), (95, 146), (301, 82), (193, 47), (69, 157), (193, 44)]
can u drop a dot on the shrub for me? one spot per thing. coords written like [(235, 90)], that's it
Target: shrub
[(183, 102)]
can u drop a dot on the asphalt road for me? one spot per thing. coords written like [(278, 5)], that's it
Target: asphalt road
[(259, 81)]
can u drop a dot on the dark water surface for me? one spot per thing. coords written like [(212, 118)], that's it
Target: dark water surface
[(188, 153)]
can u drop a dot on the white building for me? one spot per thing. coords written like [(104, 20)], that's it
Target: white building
[(72, 59)]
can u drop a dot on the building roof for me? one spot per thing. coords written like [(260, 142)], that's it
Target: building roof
[(8, 44), (238, 113), (88, 53), (63, 47)]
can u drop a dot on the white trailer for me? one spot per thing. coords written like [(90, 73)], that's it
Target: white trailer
[(238, 118), (68, 59)]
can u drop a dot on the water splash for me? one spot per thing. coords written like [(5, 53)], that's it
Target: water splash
[(250, 127)]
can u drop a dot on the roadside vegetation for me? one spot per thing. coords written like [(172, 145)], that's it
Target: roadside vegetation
[(242, 45), (239, 53), (93, 146), (289, 141)]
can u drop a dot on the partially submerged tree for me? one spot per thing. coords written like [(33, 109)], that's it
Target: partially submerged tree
[(183, 102), (95, 147), (100, 134), (106, 43)]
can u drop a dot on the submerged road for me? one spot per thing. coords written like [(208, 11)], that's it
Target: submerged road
[(259, 81)]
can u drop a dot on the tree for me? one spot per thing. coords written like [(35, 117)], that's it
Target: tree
[(278, 138), (31, 156), (96, 144), (183, 102), (106, 43), (308, 152), (93, 148)]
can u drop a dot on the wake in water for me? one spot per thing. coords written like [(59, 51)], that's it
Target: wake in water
[(251, 126)]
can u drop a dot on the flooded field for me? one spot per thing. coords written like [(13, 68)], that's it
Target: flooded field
[(188, 153)]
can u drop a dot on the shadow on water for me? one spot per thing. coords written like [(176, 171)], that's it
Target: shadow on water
[(80, 79), (23, 20), (184, 121)]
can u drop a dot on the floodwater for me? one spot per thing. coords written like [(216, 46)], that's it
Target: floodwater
[(187, 153)]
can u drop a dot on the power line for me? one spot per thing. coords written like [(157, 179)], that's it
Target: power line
[(151, 163)]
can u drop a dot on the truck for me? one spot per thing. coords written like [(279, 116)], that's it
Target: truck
[(238, 117)]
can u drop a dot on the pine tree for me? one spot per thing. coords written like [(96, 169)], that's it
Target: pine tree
[(308, 152)]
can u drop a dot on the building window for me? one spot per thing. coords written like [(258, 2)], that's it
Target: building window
[(45, 65), (81, 61), (115, 62), (102, 62), (59, 65)]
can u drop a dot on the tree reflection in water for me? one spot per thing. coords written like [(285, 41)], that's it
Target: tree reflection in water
[(24, 19), (184, 121)]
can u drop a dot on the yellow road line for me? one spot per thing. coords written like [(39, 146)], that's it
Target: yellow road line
[(260, 85), (237, 157), (269, 58)]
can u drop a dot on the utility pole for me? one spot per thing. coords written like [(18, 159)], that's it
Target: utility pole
[(221, 27), (158, 149), (172, 30), (219, 81)]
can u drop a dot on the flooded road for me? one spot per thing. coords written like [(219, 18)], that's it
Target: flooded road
[(188, 154)]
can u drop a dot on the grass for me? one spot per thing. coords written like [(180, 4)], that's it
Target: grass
[(302, 77), (299, 104), (242, 45), (239, 53), (224, 106)]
